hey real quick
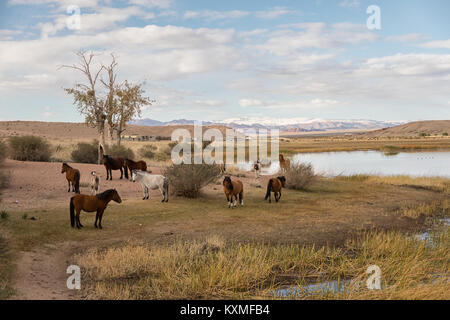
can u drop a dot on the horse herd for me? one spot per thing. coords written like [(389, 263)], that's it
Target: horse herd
[(97, 202)]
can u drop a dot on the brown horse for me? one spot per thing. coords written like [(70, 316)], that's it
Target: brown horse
[(72, 176), (114, 164), (233, 188), (87, 203), (285, 164), (132, 165), (275, 185)]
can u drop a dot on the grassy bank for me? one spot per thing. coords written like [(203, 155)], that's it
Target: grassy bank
[(213, 269), (386, 145)]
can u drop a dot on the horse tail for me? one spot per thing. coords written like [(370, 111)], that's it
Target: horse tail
[(77, 181), (72, 213), (269, 188), (166, 188)]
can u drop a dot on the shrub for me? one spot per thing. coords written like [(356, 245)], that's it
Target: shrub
[(147, 151), (4, 215), (161, 156), (119, 151), (445, 134), (300, 176), (85, 152), (29, 148), (3, 151), (187, 179)]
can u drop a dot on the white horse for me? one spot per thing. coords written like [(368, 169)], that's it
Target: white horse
[(152, 182)]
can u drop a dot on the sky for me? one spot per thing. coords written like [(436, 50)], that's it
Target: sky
[(216, 60)]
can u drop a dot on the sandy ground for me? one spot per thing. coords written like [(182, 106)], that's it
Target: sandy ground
[(35, 185), (41, 272)]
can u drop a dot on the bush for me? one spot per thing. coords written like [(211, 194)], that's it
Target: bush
[(3, 151), (147, 151), (29, 148), (300, 176), (187, 179), (85, 152), (4, 215), (119, 151), (445, 134)]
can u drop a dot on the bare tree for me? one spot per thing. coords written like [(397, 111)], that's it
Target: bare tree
[(86, 95), (127, 104)]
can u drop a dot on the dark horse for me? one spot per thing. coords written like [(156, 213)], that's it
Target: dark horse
[(87, 203), (132, 165), (274, 185), (72, 176), (233, 188), (114, 164)]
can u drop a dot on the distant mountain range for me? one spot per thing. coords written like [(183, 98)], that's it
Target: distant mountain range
[(283, 124)]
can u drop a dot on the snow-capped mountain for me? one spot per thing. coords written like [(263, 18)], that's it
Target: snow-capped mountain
[(283, 124)]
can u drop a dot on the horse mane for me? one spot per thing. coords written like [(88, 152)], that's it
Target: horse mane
[(282, 178), (228, 179), (65, 164), (281, 157), (105, 194)]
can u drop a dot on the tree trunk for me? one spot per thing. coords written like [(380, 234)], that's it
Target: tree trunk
[(119, 133), (101, 141)]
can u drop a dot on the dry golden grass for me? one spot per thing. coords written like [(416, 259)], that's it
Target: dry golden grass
[(411, 269)]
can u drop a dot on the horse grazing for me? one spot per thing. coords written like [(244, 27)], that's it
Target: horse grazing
[(114, 164), (233, 188), (87, 203), (285, 164), (275, 185), (257, 168), (153, 182), (132, 165), (95, 183), (72, 176)]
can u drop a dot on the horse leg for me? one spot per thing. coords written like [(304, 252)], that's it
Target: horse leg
[(121, 173), (77, 218), (163, 194), (241, 198), (228, 201), (96, 218), (100, 216), (235, 200), (276, 197), (68, 182)]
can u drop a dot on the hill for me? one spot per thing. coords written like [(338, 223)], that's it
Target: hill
[(413, 129), (80, 131)]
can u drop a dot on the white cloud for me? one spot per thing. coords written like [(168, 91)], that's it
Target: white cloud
[(411, 37), (6, 34), (103, 18), (215, 15), (276, 104), (439, 44), (62, 4), (272, 13), (164, 4), (250, 102), (350, 4)]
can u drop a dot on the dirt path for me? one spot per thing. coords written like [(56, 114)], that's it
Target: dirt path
[(41, 274)]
